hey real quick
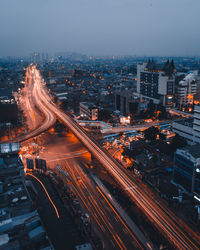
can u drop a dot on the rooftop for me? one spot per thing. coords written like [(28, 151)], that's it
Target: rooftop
[(5, 92), (20, 224), (9, 148), (167, 67), (89, 105), (193, 150), (186, 122)]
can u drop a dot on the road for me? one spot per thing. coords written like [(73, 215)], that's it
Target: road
[(173, 228), (113, 231), (179, 113), (31, 104), (139, 127), (63, 156)]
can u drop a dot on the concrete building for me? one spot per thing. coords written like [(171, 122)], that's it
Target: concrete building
[(186, 172), (35, 57), (196, 123), (88, 111), (156, 82), (185, 129), (20, 224), (127, 102), (190, 128), (6, 96), (186, 90)]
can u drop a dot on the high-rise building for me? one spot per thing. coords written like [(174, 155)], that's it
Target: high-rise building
[(156, 82), (190, 128), (186, 90), (35, 57), (186, 172), (196, 124), (45, 57)]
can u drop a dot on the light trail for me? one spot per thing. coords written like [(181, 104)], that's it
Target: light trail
[(118, 216), (56, 210), (67, 156), (86, 191), (94, 210), (32, 96), (168, 224)]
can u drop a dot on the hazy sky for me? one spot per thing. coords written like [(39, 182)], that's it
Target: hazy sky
[(100, 27)]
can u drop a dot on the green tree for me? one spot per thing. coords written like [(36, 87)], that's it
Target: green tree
[(178, 142), (104, 115), (162, 136), (151, 133)]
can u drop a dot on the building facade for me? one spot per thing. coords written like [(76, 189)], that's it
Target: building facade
[(127, 102), (88, 111), (190, 128), (186, 90), (186, 171), (156, 82), (196, 124)]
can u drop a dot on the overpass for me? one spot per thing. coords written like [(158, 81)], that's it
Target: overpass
[(169, 225)]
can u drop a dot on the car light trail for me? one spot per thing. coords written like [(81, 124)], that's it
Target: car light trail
[(168, 224), (94, 209), (49, 119), (118, 216), (56, 210)]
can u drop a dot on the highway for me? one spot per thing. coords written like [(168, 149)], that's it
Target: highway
[(29, 100), (63, 156), (174, 229), (108, 224), (113, 230)]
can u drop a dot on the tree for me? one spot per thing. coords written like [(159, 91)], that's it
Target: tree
[(127, 152), (178, 142), (9, 113), (104, 115), (162, 136), (151, 133), (163, 113), (160, 113)]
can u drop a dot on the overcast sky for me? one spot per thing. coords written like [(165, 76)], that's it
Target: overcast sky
[(100, 27)]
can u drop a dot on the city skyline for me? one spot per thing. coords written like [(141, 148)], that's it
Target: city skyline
[(99, 124), (141, 28)]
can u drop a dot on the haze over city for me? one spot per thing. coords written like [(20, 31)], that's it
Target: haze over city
[(99, 124), (106, 27)]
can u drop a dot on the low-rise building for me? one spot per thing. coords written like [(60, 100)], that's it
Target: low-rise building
[(88, 111), (128, 102), (6, 96), (20, 224)]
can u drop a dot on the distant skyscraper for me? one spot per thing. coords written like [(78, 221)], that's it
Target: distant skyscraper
[(45, 57), (35, 57)]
